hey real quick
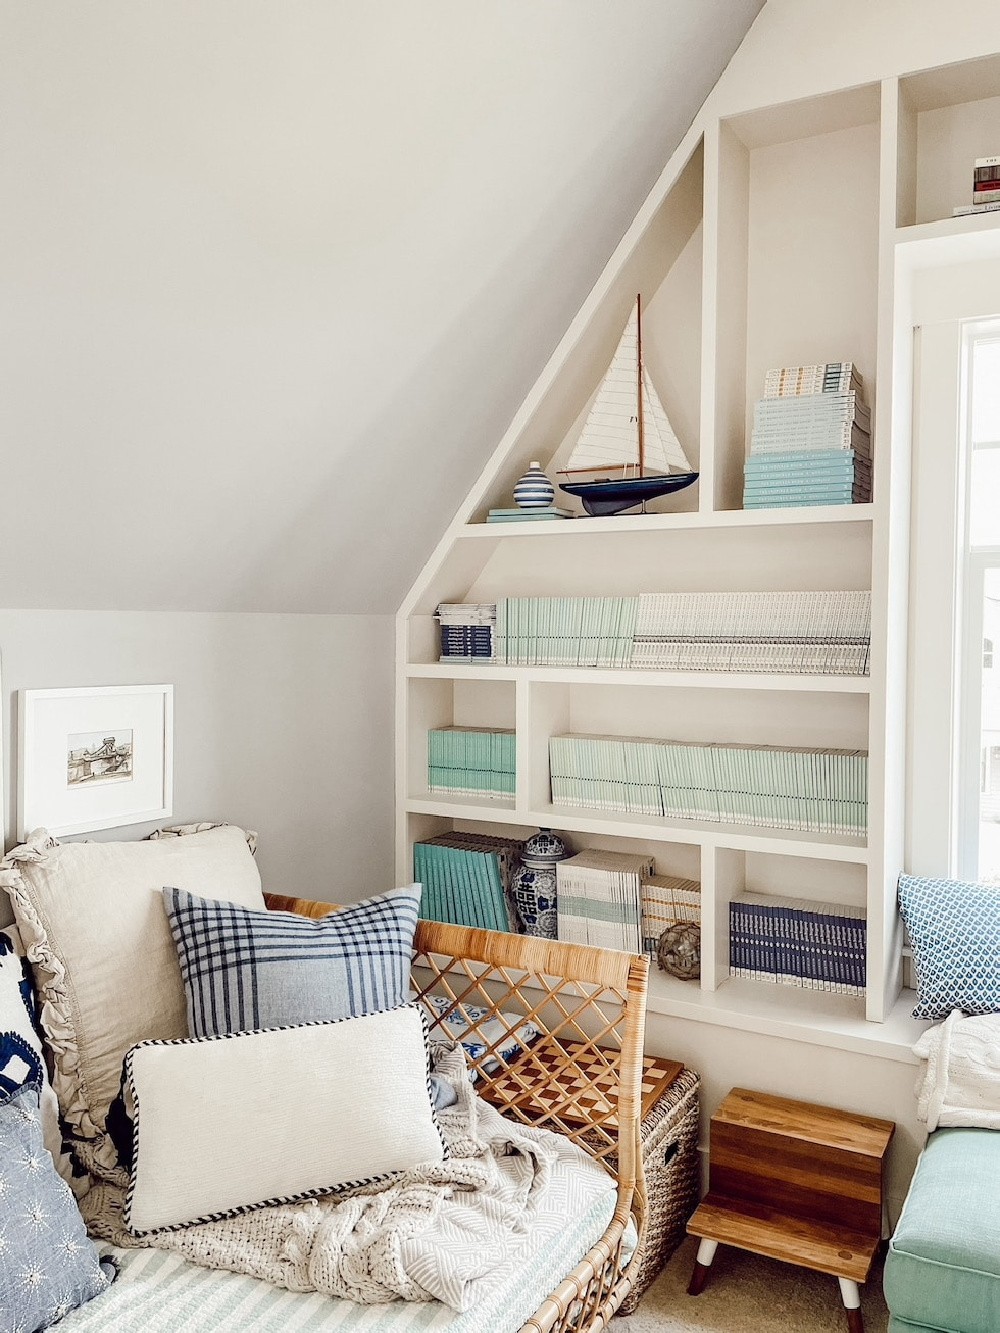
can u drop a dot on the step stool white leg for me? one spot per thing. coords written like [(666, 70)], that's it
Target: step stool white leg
[(699, 1276), (851, 1297), (706, 1253)]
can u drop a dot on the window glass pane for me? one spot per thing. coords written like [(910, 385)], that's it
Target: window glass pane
[(984, 499), (985, 391), (989, 744)]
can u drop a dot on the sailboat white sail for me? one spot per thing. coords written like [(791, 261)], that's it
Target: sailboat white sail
[(611, 438)]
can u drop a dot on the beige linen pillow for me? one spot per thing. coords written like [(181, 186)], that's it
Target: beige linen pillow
[(94, 929), (223, 1125)]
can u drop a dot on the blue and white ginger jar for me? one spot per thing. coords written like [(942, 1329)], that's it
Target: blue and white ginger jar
[(534, 886)]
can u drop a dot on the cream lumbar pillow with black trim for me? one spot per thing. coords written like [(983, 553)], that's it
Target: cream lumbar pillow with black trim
[(223, 1125)]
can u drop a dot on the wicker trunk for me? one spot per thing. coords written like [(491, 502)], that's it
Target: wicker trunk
[(670, 1165)]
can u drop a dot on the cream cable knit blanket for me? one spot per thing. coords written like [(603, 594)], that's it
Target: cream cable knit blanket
[(438, 1232), (960, 1083)]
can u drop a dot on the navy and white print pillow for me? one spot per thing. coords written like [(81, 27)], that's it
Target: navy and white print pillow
[(245, 969), (954, 929), (21, 1059)]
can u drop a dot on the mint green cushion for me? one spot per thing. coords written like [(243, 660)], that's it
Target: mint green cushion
[(943, 1267)]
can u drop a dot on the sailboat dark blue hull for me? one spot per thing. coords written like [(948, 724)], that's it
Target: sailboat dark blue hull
[(613, 497)]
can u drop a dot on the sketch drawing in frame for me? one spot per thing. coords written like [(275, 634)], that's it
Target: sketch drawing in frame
[(94, 758)]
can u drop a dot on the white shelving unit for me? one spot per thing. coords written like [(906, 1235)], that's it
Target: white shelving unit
[(741, 268)]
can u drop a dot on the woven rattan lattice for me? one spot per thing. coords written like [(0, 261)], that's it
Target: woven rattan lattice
[(582, 1075)]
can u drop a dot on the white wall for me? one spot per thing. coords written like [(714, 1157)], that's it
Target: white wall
[(282, 723), (283, 269)]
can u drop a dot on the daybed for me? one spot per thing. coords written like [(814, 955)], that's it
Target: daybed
[(584, 1002)]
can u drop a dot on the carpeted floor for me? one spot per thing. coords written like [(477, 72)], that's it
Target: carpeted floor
[(748, 1294)]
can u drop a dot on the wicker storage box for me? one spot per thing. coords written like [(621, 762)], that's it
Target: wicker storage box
[(673, 1185)]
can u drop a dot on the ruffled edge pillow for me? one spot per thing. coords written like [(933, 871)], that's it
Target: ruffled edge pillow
[(91, 919)]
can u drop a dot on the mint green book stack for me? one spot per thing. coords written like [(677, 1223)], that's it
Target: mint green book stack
[(813, 790), (477, 761), (467, 879), (566, 631)]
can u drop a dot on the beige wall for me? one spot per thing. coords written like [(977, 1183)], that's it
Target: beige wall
[(282, 723)]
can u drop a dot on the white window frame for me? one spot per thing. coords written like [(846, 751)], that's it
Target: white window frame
[(950, 303), (974, 563)]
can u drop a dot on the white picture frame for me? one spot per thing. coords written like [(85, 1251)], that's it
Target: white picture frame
[(94, 758)]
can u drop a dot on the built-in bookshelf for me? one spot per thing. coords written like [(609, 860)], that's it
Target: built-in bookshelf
[(742, 269)]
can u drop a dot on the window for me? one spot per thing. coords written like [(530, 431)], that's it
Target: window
[(979, 744)]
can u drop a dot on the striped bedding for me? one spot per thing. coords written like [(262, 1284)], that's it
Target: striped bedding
[(159, 1292)]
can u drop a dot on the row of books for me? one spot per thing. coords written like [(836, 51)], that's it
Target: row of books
[(985, 188), (798, 632), (817, 946), (811, 439), (667, 899), (478, 761), (813, 790), (467, 879), (468, 631)]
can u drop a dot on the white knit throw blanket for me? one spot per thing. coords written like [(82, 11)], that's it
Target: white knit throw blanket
[(438, 1232), (960, 1083)]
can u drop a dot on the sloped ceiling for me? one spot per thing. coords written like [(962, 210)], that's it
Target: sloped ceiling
[(276, 274)]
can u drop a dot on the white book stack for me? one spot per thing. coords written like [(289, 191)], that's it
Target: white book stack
[(825, 633), (599, 898)]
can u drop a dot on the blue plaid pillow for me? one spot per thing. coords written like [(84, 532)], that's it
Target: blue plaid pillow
[(246, 969), (954, 928)]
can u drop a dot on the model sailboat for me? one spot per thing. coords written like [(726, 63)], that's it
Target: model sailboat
[(626, 433)]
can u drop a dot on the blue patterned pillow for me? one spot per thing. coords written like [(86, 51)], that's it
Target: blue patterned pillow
[(245, 969), (954, 928), (21, 1059), (48, 1264)]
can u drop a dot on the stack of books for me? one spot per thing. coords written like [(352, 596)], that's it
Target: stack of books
[(811, 439), (466, 879), (667, 899), (565, 631), (803, 633), (985, 188), (814, 790), (467, 631), (478, 761), (599, 898), (795, 632), (817, 946), (527, 515)]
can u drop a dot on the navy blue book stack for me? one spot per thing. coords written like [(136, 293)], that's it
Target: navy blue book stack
[(468, 631), (816, 946)]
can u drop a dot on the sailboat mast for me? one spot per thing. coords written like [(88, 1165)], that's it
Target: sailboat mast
[(638, 370)]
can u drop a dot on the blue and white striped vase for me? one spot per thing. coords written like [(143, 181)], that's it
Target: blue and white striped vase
[(534, 490)]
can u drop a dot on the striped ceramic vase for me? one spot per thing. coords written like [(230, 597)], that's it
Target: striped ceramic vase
[(534, 490)]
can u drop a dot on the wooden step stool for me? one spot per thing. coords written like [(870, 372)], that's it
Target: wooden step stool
[(797, 1182)]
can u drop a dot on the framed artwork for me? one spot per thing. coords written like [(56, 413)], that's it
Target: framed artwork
[(94, 758)]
